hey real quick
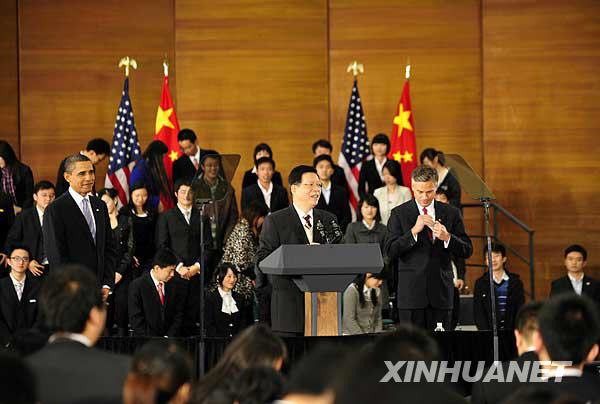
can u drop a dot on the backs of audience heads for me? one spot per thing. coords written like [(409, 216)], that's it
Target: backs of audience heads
[(258, 385), (526, 324), (17, 381), (255, 346), (540, 395)]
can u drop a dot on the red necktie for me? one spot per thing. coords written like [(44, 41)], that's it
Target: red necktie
[(195, 162), (308, 224), (429, 234), (161, 293)]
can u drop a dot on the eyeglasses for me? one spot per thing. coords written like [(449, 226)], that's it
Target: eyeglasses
[(313, 185), (20, 259)]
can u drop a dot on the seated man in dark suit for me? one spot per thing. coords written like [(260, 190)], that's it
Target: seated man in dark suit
[(272, 196), (187, 166), (27, 229), (156, 300), (18, 295), (576, 281), (334, 198), (321, 147), (68, 369), (96, 150)]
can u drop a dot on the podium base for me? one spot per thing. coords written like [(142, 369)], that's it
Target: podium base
[(322, 314)]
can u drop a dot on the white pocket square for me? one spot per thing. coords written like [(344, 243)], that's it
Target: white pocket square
[(32, 300)]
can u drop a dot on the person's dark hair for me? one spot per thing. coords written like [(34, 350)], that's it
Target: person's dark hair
[(69, 294), (254, 346), (570, 327), (371, 201), (164, 258), (359, 281), (297, 172), (381, 138), (154, 155), (526, 321), (576, 248), (18, 383), (262, 147), (322, 143), (395, 171), (180, 183), (10, 248), (41, 185), (496, 248), (424, 174), (431, 154), (210, 155), (322, 157), (221, 272), (258, 385), (111, 192), (99, 146), (10, 158), (265, 160), (441, 191), (135, 187), (540, 395), (71, 160), (160, 367), (186, 134), (254, 210)]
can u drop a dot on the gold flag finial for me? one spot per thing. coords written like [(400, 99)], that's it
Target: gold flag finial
[(355, 68), (127, 62), (407, 70), (166, 66)]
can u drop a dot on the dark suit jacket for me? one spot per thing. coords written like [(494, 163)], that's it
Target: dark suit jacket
[(27, 231), (67, 238), (251, 178), (287, 301), (591, 287), (424, 268), (482, 305), (338, 205), (14, 314), (183, 167), (150, 318), (219, 324), (452, 188), (339, 177), (7, 216), (23, 183), (279, 197), (69, 372), (586, 387), (369, 176)]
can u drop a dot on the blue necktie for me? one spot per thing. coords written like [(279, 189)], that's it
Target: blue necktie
[(87, 213)]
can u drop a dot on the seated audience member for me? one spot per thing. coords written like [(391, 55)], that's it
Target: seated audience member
[(250, 176), (226, 311), (258, 385), (371, 172), (273, 196), (569, 329), (187, 165), (576, 281), (18, 295), (359, 381), (161, 372), (17, 382), (324, 147), (7, 218), (526, 325), (362, 305), (392, 194), (156, 300), (96, 150), (541, 394), (446, 180), (27, 229), (150, 171), (16, 178), (508, 293), (334, 198), (255, 346), (123, 241), (68, 369), (368, 227)]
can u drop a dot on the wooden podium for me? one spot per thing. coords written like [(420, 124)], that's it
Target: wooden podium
[(323, 272)]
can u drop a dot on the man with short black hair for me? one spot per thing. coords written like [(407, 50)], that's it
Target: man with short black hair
[(68, 368), (334, 199), (576, 281), (323, 147), (187, 165), (96, 150), (270, 195)]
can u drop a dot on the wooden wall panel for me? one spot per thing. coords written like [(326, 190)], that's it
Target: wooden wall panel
[(70, 84), (541, 107), (253, 72), (9, 74)]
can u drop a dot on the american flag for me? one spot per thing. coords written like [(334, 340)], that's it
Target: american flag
[(355, 145), (125, 148)]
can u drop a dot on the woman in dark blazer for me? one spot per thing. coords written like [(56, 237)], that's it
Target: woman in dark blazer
[(250, 177), (371, 172), (16, 179), (226, 311), (446, 180)]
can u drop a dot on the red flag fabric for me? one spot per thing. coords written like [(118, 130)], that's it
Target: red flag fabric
[(167, 128), (403, 142)]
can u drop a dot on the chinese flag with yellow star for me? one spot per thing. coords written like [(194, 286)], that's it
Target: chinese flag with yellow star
[(403, 142), (167, 128)]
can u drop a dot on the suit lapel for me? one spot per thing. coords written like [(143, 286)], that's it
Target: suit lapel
[(154, 291), (298, 227), (79, 216), (412, 215), (99, 219)]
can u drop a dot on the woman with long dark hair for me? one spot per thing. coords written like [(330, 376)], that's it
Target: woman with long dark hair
[(446, 180), (362, 305), (150, 171), (392, 193), (16, 178)]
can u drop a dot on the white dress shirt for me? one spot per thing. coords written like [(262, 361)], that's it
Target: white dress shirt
[(431, 213), (156, 284), (266, 192), (372, 226), (577, 284), (187, 214), (379, 167), (229, 306), (326, 192), (18, 285), (301, 215)]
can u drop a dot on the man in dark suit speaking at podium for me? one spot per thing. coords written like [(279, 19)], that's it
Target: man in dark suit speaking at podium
[(292, 225), (424, 234)]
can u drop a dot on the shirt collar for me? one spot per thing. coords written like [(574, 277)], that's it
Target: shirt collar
[(504, 276), (16, 282), (197, 155), (82, 339), (379, 165), (77, 197), (430, 208), (575, 280), (184, 210), (39, 211), (223, 293), (265, 191), (254, 170), (328, 188), (372, 226), (156, 281), (302, 214)]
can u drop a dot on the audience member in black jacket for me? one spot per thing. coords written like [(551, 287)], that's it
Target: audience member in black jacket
[(16, 178), (18, 296), (334, 199), (7, 218), (96, 150), (27, 229), (187, 166), (576, 281), (272, 196), (250, 177), (509, 294), (157, 298), (371, 172), (226, 311), (447, 182), (338, 177)]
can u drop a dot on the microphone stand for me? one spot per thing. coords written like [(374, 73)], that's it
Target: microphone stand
[(492, 294), (200, 203)]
